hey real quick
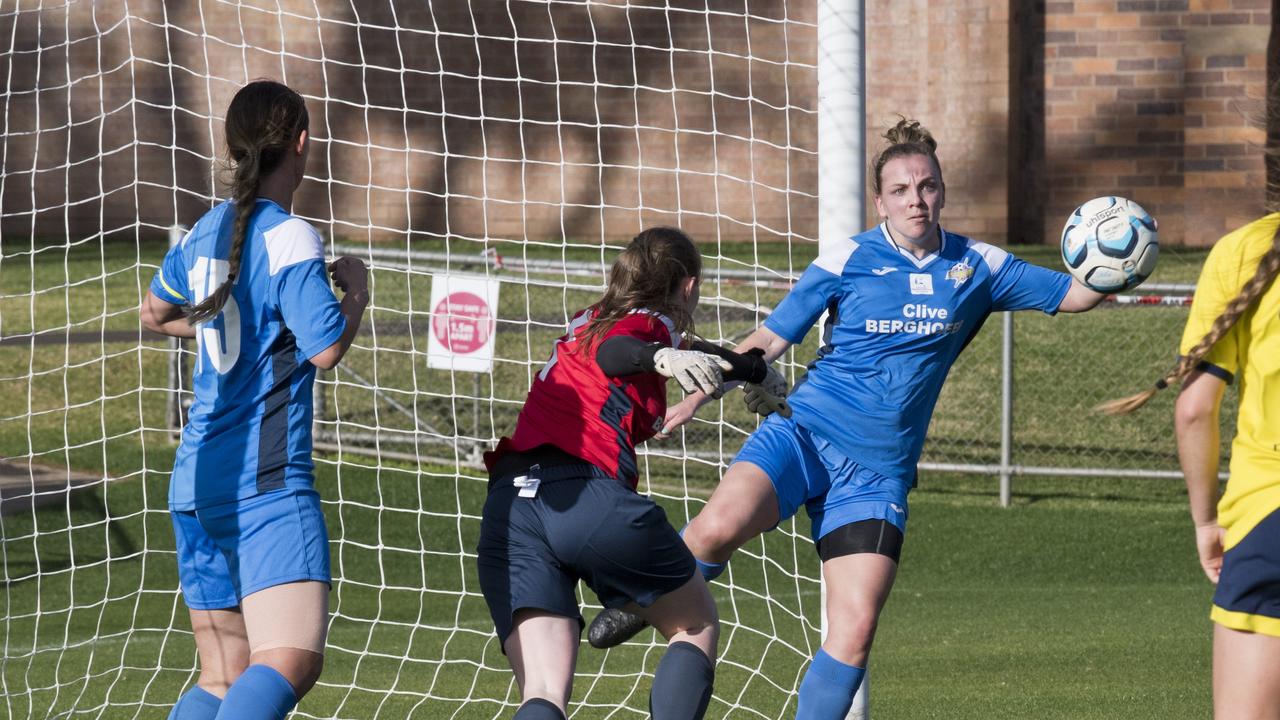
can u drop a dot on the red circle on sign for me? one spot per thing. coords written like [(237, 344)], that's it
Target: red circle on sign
[(462, 322)]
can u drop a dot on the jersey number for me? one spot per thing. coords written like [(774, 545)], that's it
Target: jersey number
[(221, 345)]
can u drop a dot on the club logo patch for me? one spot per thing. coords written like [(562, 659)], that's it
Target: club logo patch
[(960, 272)]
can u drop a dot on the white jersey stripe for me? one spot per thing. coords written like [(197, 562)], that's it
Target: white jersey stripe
[(834, 259), (994, 256), (291, 242)]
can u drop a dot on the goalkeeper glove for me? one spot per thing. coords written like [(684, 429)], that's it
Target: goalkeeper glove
[(768, 396), (692, 369)]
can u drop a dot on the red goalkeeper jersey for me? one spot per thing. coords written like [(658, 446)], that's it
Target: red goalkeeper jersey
[(574, 406)]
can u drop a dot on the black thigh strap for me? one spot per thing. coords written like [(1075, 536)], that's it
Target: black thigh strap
[(865, 536)]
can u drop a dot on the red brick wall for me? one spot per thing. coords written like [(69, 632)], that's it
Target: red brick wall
[(1151, 99), (947, 65), (468, 122), (467, 125)]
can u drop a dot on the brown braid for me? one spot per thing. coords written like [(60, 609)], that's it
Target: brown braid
[(645, 276), (263, 122), (1268, 268)]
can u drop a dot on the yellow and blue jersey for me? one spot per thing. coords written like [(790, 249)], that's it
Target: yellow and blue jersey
[(895, 325), (249, 426), (1249, 355)]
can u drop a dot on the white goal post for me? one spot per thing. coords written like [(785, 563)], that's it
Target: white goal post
[(842, 163)]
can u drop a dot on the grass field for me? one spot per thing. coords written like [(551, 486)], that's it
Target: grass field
[(1082, 601)]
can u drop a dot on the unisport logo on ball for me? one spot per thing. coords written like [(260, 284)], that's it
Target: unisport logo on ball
[(1110, 244)]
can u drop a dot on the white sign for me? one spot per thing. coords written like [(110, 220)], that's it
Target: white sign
[(464, 314)]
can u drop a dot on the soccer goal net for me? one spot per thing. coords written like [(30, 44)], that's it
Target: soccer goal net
[(487, 160)]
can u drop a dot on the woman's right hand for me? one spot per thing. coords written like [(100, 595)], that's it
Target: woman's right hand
[(1209, 546), (349, 274), (680, 413)]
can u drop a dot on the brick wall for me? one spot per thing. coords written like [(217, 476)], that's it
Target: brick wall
[(467, 122), (947, 65), (470, 123), (1152, 99)]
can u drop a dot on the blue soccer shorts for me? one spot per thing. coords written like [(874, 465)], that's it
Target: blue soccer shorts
[(1248, 594), (234, 549), (533, 549), (807, 470)]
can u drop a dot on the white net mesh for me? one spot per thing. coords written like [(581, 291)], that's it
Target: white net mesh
[(520, 141)]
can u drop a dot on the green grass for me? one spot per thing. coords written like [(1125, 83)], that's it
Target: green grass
[(1082, 601)]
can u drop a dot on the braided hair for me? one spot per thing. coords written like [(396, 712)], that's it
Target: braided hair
[(1268, 268), (263, 123)]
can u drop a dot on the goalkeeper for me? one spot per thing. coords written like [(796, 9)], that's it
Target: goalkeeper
[(562, 504), (903, 299)]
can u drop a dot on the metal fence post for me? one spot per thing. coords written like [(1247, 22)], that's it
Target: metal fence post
[(173, 414), (319, 407), (1006, 410)]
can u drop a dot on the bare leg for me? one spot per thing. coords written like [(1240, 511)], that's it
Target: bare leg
[(687, 614), (682, 683), (543, 650), (223, 646), (743, 506), (1246, 675), (857, 587)]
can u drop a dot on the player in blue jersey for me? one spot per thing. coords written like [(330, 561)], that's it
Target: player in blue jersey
[(250, 284), (903, 299)]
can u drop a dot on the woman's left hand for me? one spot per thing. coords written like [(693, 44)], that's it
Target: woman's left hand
[(349, 274), (679, 414), (1209, 546)]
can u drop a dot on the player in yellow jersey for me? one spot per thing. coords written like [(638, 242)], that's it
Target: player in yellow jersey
[(1233, 335)]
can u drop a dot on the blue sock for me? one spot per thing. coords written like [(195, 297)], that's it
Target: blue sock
[(827, 691), (196, 704), (260, 693), (538, 709), (710, 571), (681, 684)]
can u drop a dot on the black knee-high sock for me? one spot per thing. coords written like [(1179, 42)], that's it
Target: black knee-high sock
[(682, 684), (538, 709)]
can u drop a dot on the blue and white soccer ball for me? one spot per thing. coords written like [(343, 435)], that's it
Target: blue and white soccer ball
[(1110, 244)]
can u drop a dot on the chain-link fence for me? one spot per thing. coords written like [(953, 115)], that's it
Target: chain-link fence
[(1018, 401)]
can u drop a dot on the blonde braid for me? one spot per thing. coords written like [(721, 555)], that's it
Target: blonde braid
[(1268, 268)]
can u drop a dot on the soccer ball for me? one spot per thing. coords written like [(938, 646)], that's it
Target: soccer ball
[(1110, 244)]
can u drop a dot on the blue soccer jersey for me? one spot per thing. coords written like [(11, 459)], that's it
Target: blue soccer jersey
[(896, 325), (249, 428)]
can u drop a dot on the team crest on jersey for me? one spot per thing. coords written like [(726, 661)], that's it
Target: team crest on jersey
[(960, 272)]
